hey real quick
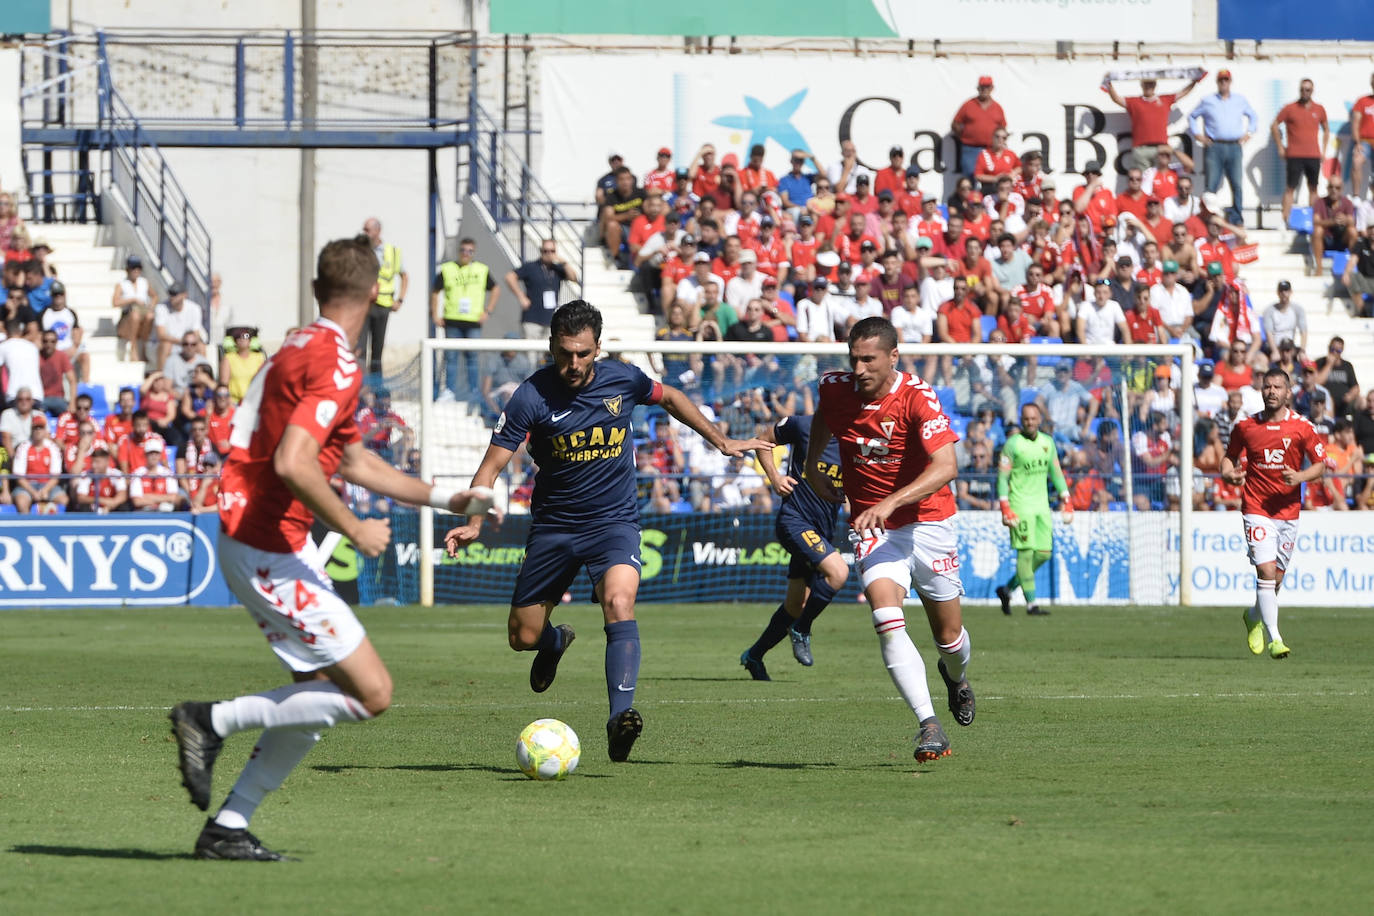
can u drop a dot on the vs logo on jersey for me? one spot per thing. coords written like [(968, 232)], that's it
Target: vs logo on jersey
[(613, 405)]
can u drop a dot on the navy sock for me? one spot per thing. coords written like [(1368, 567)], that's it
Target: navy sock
[(772, 634), (551, 638), (819, 599), (622, 664)]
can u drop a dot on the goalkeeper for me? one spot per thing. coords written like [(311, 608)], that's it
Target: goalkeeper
[(1028, 458)]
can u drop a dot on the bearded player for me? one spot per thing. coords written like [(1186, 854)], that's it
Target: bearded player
[(584, 512), (292, 432), (897, 461), (1265, 457), (1028, 458)]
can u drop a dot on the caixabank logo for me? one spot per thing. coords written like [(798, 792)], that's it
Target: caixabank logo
[(104, 561)]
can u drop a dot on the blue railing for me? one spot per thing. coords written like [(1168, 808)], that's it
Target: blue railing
[(148, 194), (523, 210)]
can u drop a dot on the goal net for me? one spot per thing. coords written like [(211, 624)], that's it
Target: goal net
[(1121, 416)]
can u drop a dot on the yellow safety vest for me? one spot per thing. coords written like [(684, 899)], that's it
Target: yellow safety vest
[(386, 275), (465, 290)]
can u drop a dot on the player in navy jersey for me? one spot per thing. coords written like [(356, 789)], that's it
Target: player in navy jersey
[(804, 528), (577, 417)]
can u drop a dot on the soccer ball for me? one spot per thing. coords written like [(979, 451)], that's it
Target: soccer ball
[(547, 749)]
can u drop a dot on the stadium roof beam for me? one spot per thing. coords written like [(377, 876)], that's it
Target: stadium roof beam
[(246, 138)]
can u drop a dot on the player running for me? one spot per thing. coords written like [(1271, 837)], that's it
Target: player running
[(897, 460), (1028, 458), (292, 432), (1265, 455), (804, 526), (577, 416)]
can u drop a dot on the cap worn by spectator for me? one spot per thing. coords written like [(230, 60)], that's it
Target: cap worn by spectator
[(1285, 286), (1102, 282), (895, 151), (688, 239), (1286, 344), (41, 243), (731, 160), (1171, 267), (1223, 74), (984, 81), (868, 246), (57, 289), (769, 282), (132, 261), (827, 259), (40, 421), (683, 173), (1062, 367), (923, 242), (1214, 269), (702, 258), (176, 289), (862, 179), (1125, 261), (1093, 168), (664, 151), (885, 194), (613, 155), (1108, 222), (820, 283), (1206, 368), (152, 445), (767, 221), (1162, 372), (913, 171), (747, 256), (845, 267), (806, 220), (1047, 182)]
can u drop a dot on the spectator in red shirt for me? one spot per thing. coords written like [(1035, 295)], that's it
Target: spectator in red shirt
[(957, 321), (1014, 324), (1144, 323), (977, 273), (661, 178), (995, 161), (1161, 178), (950, 243), (892, 178), (931, 225), (1333, 221), (1133, 200), (1028, 181), (1156, 222), (1302, 154), (754, 176), (58, 374), (1036, 301), (1235, 373), (848, 243), (1149, 114), (1361, 137), (1094, 200), (1214, 248), (647, 223), (909, 199), (37, 466), (726, 265), (863, 201), (974, 124), (219, 420), (704, 172)]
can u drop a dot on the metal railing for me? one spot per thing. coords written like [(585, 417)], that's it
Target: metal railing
[(503, 181)]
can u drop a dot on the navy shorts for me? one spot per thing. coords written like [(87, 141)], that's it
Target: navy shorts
[(808, 544), (553, 557)]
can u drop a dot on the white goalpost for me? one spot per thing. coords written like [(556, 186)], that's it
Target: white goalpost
[(1135, 550)]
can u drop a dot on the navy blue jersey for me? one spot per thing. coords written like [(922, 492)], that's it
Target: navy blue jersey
[(803, 501), (581, 440)]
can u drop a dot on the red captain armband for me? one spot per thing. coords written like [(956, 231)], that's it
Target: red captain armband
[(655, 394)]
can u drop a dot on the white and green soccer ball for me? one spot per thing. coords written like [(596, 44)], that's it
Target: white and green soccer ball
[(548, 749)]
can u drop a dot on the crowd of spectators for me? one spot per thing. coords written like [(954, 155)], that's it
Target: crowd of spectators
[(727, 250)]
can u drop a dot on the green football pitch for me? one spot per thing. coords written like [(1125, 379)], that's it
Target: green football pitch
[(1124, 760)]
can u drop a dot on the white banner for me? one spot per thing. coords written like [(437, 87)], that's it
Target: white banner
[(1039, 20), (813, 102)]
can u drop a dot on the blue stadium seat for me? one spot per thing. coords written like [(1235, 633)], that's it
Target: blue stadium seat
[(100, 405), (944, 211), (988, 324), (1338, 261), (1300, 220), (1116, 507), (946, 396), (681, 505), (8, 510), (1027, 395), (959, 423), (1050, 361), (997, 433)]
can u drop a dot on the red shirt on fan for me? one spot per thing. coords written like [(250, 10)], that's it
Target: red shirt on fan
[(1144, 328), (37, 463), (1365, 106), (1016, 332), (1149, 119), (1303, 125), (117, 427), (803, 251), (979, 123), (1035, 303), (1003, 163), (1268, 449), (886, 444), (311, 382), (219, 426), (1150, 276), (70, 452), (769, 255), (1100, 206), (665, 180), (68, 429), (1133, 204)]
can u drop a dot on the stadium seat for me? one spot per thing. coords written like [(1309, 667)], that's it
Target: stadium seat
[(947, 403), (100, 405), (1338, 261), (8, 509), (944, 212), (988, 324), (1046, 361), (959, 423), (1027, 395), (1300, 220), (997, 433)]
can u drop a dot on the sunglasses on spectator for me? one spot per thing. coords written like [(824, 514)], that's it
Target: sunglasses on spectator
[(548, 251)]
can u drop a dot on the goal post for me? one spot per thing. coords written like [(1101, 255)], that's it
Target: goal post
[(1122, 550)]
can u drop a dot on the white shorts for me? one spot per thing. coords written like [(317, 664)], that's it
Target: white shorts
[(925, 554), (1269, 539), (294, 604)]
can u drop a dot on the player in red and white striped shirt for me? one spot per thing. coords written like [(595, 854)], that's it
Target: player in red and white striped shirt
[(292, 432), (1265, 456), (897, 461), (37, 464), (101, 488)]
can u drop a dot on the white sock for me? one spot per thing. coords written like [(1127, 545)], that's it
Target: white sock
[(903, 661), (310, 704), (956, 655), (1268, 600), (277, 753)]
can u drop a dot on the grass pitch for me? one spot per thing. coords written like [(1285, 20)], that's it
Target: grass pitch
[(1124, 760)]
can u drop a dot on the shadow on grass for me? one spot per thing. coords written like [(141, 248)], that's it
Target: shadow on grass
[(97, 853), (762, 765), (512, 774), (707, 680)]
